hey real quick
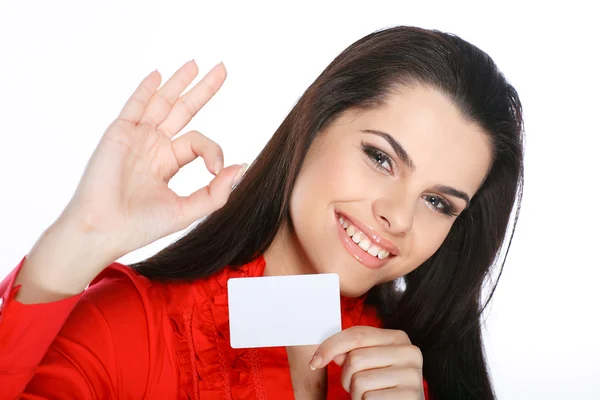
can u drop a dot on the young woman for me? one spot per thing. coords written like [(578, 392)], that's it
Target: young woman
[(397, 169)]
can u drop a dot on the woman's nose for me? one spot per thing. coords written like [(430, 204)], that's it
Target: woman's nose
[(396, 215)]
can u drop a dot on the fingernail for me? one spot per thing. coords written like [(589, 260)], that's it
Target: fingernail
[(316, 361), (240, 173), (218, 165)]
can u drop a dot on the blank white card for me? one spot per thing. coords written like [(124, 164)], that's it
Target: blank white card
[(289, 310)]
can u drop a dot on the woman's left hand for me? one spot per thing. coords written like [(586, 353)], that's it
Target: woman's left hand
[(376, 363)]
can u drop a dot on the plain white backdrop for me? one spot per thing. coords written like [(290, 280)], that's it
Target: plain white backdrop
[(67, 67)]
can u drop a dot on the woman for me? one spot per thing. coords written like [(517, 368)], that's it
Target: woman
[(397, 169)]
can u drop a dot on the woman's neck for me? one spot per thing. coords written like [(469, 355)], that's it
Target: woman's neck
[(285, 256)]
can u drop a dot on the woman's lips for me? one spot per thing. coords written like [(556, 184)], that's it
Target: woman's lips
[(356, 252), (371, 234)]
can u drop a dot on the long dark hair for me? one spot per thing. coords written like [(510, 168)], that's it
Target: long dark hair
[(441, 306)]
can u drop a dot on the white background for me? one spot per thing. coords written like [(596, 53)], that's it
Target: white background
[(67, 67)]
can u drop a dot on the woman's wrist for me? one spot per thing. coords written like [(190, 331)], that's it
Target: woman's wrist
[(63, 261)]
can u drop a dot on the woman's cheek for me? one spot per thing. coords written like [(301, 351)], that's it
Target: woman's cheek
[(427, 238)]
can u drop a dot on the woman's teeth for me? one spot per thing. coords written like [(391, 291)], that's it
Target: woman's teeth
[(360, 238)]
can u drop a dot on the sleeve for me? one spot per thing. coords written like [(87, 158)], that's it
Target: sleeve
[(83, 347)]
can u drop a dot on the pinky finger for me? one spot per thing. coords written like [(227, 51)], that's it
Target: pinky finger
[(134, 108), (209, 198)]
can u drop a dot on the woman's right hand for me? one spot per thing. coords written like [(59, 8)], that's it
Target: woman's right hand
[(123, 194)]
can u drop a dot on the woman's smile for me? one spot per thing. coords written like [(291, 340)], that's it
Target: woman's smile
[(364, 245)]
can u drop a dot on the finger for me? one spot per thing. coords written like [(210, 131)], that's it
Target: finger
[(404, 356), (163, 100), (136, 104), (355, 338), (191, 102), (339, 360), (209, 198), (385, 378), (192, 145), (394, 394)]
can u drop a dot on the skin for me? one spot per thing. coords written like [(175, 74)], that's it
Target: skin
[(398, 202)]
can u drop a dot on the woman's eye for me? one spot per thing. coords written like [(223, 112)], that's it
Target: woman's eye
[(439, 204), (378, 158)]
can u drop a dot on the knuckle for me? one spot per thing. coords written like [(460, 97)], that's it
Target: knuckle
[(219, 201), (353, 359), (216, 200), (120, 125), (358, 382), (218, 148), (188, 105), (417, 353), (210, 86), (369, 396), (402, 337), (148, 121), (410, 395), (160, 96), (359, 337), (211, 144), (146, 93), (196, 133), (164, 131), (414, 378), (205, 141), (197, 141), (196, 136)]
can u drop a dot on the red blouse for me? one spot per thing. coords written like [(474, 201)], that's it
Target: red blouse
[(128, 337)]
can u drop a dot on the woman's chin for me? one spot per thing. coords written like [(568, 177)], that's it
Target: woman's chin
[(352, 292), (353, 283), (352, 286)]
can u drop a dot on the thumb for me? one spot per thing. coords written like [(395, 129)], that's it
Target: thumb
[(211, 197)]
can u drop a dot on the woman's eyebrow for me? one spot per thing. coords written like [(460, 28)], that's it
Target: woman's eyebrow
[(405, 158), (453, 192), (398, 149)]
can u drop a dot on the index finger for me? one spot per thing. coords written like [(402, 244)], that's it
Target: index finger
[(355, 338)]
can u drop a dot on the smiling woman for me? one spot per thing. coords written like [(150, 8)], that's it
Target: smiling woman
[(410, 140), (403, 159)]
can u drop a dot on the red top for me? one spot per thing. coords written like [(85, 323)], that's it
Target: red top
[(128, 337)]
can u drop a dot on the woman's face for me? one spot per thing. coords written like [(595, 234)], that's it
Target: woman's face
[(394, 175)]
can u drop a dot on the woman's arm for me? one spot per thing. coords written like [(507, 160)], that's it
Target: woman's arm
[(85, 346), (122, 203)]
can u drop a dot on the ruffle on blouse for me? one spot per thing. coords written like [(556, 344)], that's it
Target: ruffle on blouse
[(207, 362)]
